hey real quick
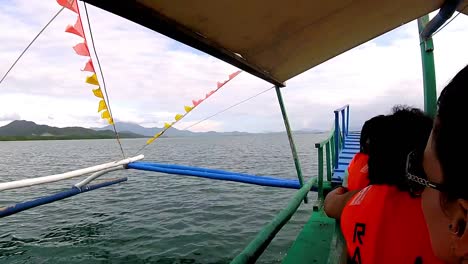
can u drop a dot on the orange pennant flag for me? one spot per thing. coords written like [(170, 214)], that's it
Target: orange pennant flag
[(89, 66), (70, 4), (105, 115), (98, 93), (92, 79), (102, 106), (77, 29), (81, 49)]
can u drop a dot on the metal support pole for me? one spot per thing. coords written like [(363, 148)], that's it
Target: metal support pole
[(429, 78), (291, 140)]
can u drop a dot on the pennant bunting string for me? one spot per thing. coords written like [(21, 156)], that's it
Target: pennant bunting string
[(188, 109)]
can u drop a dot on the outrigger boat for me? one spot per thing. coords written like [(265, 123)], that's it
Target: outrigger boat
[(275, 41)]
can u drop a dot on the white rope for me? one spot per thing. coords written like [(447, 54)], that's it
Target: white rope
[(96, 175)]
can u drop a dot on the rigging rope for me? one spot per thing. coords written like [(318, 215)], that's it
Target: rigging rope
[(220, 112), (29, 45), (103, 81)]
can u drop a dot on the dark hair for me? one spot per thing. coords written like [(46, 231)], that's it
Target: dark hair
[(367, 130), (449, 136), (406, 130)]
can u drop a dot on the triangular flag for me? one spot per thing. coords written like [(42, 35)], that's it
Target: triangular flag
[(234, 74), (77, 29), (89, 66), (110, 121), (167, 125), (196, 102), (98, 93), (219, 85), (157, 135), (188, 108), (105, 115), (81, 49), (178, 117), (149, 141), (209, 94), (70, 4), (92, 79), (102, 106)]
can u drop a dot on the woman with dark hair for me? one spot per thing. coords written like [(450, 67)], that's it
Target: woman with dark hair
[(383, 223), (445, 188), (358, 169)]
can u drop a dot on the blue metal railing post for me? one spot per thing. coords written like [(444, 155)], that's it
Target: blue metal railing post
[(337, 142), (347, 120), (343, 125)]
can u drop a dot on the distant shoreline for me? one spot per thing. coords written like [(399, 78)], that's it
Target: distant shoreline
[(41, 138)]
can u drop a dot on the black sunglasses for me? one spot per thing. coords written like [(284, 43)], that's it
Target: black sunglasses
[(417, 184)]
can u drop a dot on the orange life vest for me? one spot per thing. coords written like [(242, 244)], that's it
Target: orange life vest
[(384, 225), (358, 172)]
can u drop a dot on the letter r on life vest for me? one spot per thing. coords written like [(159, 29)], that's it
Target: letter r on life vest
[(359, 230)]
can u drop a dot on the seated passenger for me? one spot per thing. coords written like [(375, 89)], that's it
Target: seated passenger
[(383, 223), (445, 188), (357, 177)]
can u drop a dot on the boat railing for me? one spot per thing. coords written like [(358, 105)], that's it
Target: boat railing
[(333, 144), (341, 131), (329, 145)]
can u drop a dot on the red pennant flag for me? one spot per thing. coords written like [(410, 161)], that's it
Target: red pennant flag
[(234, 75), (69, 4), (77, 29), (82, 49), (196, 102), (89, 66), (220, 84)]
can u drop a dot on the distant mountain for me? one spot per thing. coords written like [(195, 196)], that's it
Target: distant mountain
[(171, 132), (21, 129)]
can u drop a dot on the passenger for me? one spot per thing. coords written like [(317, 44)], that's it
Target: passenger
[(358, 171), (383, 223), (445, 200)]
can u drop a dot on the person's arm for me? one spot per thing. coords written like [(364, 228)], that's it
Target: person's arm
[(336, 200)]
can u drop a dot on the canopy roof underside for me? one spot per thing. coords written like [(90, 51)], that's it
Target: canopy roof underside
[(272, 39)]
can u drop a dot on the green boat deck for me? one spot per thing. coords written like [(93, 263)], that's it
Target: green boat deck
[(320, 240)]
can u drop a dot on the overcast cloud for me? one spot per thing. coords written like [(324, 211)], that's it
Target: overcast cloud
[(150, 77)]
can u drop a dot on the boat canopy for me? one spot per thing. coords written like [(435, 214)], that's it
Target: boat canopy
[(272, 39)]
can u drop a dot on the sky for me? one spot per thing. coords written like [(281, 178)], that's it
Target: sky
[(150, 77)]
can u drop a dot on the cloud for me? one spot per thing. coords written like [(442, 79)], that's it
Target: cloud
[(150, 77), (9, 117)]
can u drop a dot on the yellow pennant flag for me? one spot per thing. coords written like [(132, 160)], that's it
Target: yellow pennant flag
[(188, 108), (167, 125), (102, 106), (178, 117), (157, 135), (98, 93), (110, 121), (105, 115), (149, 141), (92, 79)]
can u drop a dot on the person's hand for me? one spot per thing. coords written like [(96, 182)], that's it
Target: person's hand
[(336, 200)]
